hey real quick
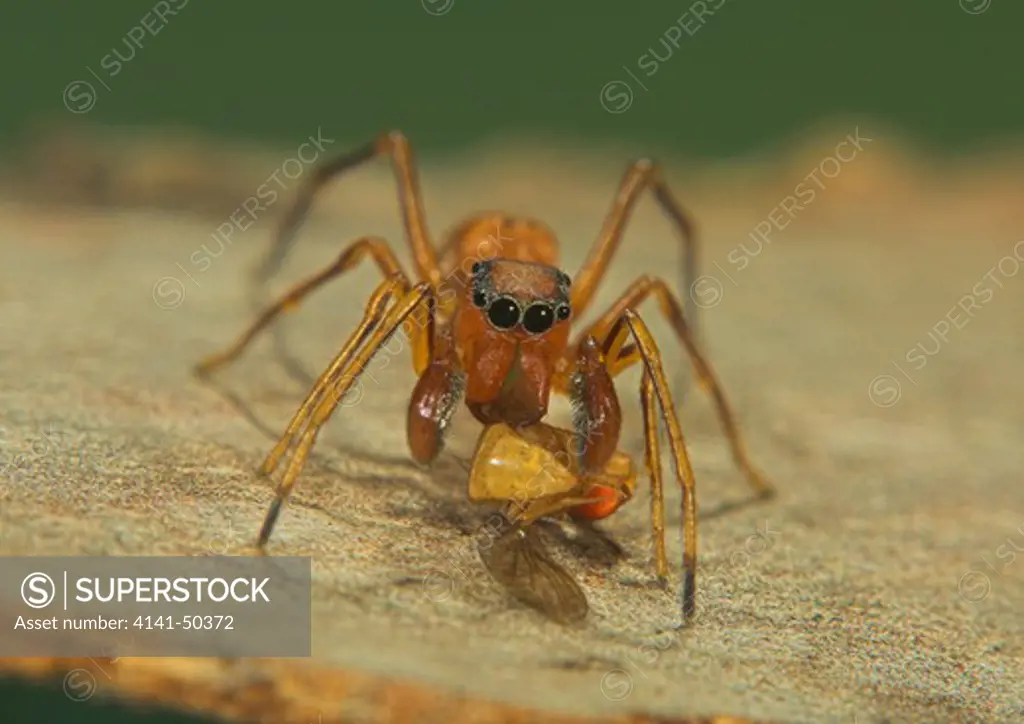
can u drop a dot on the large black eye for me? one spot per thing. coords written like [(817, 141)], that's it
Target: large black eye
[(538, 318), (503, 313)]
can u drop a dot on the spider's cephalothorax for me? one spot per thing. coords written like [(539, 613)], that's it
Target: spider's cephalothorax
[(511, 329), (522, 296), (488, 319)]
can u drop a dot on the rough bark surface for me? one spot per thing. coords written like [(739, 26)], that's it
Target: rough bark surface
[(880, 585)]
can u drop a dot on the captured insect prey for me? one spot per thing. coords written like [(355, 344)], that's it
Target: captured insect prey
[(518, 561), (489, 320)]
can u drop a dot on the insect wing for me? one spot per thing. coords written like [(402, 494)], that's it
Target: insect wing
[(519, 562)]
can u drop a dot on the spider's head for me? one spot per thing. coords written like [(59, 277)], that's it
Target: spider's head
[(523, 299), (512, 330)]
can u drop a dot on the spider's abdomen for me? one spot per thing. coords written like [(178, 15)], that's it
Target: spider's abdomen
[(606, 501), (500, 236)]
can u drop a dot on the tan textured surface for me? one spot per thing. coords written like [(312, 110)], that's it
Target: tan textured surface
[(853, 610), (285, 693)]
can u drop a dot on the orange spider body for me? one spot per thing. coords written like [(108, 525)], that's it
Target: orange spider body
[(608, 500), (488, 318), (510, 373)]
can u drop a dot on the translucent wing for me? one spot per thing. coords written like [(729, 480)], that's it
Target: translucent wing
[(518, 561)]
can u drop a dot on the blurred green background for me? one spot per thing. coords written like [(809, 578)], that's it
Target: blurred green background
[(47, 703), (752, 75)]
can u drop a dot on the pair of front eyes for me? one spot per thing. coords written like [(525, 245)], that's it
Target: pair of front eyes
[(505, 313)]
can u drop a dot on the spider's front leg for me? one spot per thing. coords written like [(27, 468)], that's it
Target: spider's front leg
[(393, 145), (390, 309), (621, 357), (596, 394)]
